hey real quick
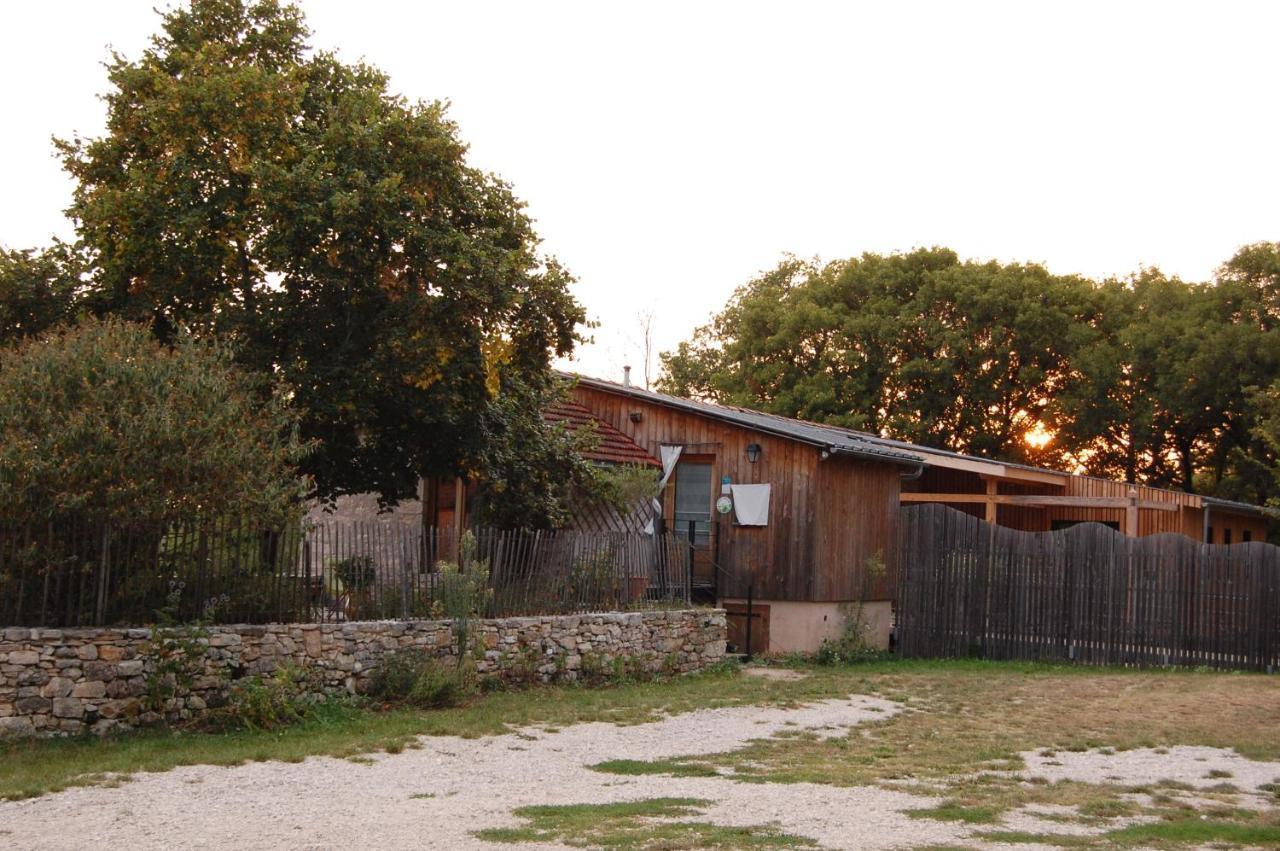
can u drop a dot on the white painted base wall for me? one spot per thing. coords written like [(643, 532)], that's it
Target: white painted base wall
[(796, 627)]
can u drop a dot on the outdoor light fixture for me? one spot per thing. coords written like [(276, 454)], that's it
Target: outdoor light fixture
[(753, 452), (636, 416)]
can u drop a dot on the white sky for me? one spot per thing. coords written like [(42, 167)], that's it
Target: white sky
[(669, 151)]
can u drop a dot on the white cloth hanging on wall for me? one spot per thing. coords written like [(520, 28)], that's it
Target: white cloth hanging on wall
[(668, 455), (751, 504)]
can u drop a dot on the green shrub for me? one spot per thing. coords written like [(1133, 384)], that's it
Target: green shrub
[(521, 667), (175, 655), (102, 423), (356, 572), (268, 703), (415, 678)]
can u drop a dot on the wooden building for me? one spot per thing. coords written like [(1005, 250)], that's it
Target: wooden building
[(830, 536), (821, 538)]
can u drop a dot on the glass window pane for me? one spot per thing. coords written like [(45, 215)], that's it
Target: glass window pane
[(693, 500)]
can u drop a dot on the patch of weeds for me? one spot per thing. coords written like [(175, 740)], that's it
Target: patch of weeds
[(1025, 837), (283, 699), (414, 678), (1218, 773), (669, 767), (1222, 789), (1108, 808), (952, 811), (419, 796), (654, 823)]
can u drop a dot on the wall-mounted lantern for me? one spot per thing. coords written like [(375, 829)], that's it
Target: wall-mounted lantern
[(753, 452), (636, 416)]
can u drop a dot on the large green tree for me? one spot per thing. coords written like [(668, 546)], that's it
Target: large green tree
[(248, 185), (918, 346)]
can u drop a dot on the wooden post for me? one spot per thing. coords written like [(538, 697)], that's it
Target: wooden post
[(459, 507), (993, 488), (1130, 530)]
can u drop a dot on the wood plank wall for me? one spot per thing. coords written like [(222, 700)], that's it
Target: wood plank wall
[(826, 518)]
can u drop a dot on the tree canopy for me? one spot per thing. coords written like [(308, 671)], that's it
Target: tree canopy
[(1149, 379), (249, 186), (101, 422)]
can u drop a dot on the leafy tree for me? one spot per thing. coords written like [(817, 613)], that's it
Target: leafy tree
[(37, 291), (918, 346), (1266, 458), (533, 469), (1107, 417), (101, 422), (246, 185)]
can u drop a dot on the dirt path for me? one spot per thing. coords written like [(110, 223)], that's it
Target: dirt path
[(472, 784)]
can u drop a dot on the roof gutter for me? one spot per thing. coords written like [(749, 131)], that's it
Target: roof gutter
[(916, 464), (1238, 507)]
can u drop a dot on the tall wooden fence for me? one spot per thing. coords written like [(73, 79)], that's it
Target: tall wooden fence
[(1086, 594)]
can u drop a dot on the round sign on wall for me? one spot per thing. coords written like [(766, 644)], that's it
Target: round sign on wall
[(724, 505)]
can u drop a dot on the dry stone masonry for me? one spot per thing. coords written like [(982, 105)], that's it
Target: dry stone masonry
[(64, 681)]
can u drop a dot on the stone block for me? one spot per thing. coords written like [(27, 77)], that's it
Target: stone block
[(111, 653), (129, 669), (57, 687), (94, 689), (68, 707), (24, 657), (105, 671), (88, 652), (119, 708), (18, 726)]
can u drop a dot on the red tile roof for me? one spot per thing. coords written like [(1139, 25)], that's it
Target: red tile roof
[(613, 446)]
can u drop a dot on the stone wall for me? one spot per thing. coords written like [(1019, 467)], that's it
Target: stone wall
[(63, 681)]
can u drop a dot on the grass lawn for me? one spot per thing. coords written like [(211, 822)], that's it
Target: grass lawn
[(960, 718), (653, 823)]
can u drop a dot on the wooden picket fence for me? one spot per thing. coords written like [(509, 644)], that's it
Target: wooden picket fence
[(1087, 594)]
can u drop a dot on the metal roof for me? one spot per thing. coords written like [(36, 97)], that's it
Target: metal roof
[(834, 440)]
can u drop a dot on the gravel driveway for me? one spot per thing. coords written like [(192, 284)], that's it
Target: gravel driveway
[(436, 797), (473, 784)]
